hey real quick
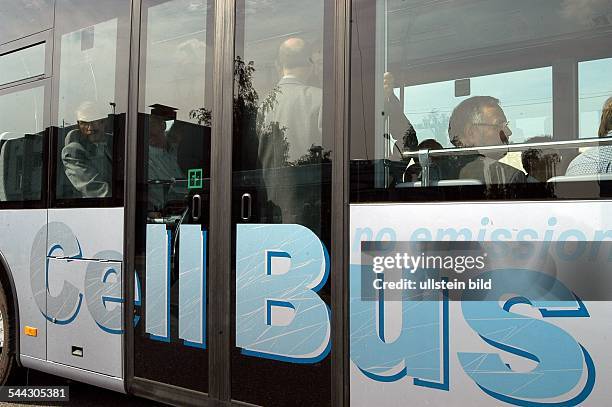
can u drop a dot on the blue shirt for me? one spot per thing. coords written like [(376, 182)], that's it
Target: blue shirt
[(596, 160)]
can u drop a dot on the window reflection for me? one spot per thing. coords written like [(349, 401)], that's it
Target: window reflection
[(279, 108), (24, 17), (87, 69), (177, 110), (165, 177), (176, 57)]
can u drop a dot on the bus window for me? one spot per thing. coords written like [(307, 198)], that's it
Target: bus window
[(594, 87), (21, 145), (467, 108), (25, 63), (91, 60), (525, 97)]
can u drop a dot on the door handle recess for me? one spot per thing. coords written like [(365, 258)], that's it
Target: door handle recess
[(196, 207), (245, 206)]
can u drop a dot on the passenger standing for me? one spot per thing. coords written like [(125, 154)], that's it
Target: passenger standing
[(296, 108), (290, 144)]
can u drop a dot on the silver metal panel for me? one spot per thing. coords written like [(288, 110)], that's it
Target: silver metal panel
[(94, 322), (97, 230), (18, 231), (85, 376), (157, 283), (192, 286)]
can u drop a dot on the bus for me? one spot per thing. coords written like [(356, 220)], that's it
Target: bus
[(195, 196)]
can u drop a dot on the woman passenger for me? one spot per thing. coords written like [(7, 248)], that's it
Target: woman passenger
[(596, 160)]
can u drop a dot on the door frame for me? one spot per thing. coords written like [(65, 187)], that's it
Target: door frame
[(220, 265)]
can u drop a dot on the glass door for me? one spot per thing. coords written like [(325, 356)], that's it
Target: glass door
[(173, 185), (281, 332)]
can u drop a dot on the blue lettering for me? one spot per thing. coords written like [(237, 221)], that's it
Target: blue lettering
[(279, 269)]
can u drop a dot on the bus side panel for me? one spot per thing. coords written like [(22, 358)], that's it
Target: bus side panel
[(85, 294), (570, 334), (90, 336), (22, 244), (98, 231)]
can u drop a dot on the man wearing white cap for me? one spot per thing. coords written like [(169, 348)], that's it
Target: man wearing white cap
[(87, 154)]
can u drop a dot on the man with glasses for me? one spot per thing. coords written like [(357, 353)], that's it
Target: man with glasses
[(479, 121)]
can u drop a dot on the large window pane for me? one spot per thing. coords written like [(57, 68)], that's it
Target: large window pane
[(449, 102), (21, 145), (91, 87), (174, 131)]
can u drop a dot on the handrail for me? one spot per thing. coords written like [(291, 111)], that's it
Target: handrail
[(511, 147)]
